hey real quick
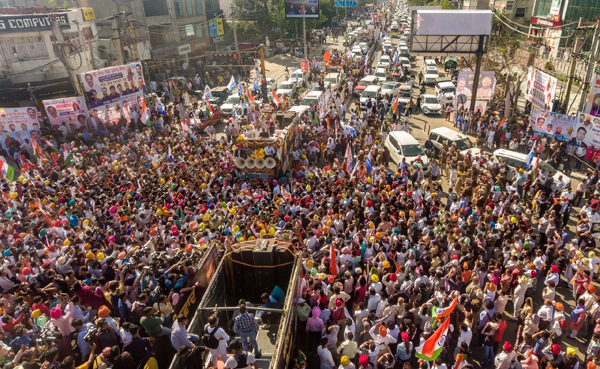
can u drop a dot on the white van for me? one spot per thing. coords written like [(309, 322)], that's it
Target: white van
[(371, 92), (332, 81), (403, 145), (517, 160), (437, 136), (311, 98), (446, 88)]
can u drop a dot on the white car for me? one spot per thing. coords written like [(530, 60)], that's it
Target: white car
[(430, 104), (356, 53), (371, 92), (430, 63), (332, 81), (364, 46), (297, 77), (381, 73), (230, 104), (403, 145), (405, 62), (271, 83), (390, 88), (431, 75), (384, 62), (387, 45), (517, 160), (287, 89)]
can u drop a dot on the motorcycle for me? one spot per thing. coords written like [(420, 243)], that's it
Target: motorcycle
[(422, 89)]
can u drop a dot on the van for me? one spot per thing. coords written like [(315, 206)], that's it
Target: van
[(371, 92), (332, 81), (438, 136), (311, 98), (517, 160), (446, 88), (403, 145)]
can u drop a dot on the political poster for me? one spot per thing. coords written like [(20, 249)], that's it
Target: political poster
[(540, 89), (294, 9), (323, 104), (70, 110), (485, 87), (114, 90), (18, 119), (592, 105), (553, 124), (10, 139), (587, 130)]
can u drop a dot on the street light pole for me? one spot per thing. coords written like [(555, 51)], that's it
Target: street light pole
[(304, 29)]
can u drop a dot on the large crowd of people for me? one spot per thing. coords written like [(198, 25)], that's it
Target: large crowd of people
[(99, 245)]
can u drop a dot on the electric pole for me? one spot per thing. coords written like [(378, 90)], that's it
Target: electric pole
[(133, 45), (235, 40), (304, 30), (116, 39), (590, 68), (576, 50), (59, 49)]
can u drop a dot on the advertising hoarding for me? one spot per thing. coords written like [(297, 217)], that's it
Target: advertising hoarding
[(18, 119), (587, 130), (541, 88), (66, 110), (592, 105), (553, 124), (294, 9), (113, 91), (485, 87)]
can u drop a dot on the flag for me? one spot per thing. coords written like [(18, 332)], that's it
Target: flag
[(9, 171), (537, 166), (173, 88), (333, 266), (145, 114), (327, 56), (209, 109), (66, 154), (37, 149), (274, 97), (49, 144), (26, 164), (530, 158), (460, 361), (207, 93), (256, 86), (394, 106), (231, 85), (5, 195), (161, 107), (348, 159), (368, 161), (250, 97), (502, 123), (433, 346), (185, 127), (444, 312), (342, 74)]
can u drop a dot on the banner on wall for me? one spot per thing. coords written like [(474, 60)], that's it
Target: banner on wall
[(71, 110), (592, 106), (18, 119), (112, 91), (553, 124), (587, 130), (8, 138), (541, 88), (485, 87)]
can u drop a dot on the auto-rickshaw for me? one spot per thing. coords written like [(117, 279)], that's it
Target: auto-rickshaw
[(450, 64)]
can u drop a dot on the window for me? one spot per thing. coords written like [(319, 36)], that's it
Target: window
[(433, 137), (178, 9), (509, 5), (188, 8), (27, 48), (200, 31), (198, 4), (520, 13)]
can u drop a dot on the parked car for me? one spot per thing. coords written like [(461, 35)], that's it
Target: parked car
[(438, 136), (287, 89), (363, 83), (390, 88), (430, 104), (372, 93), (404, 145), (230, 104), (430, 75)]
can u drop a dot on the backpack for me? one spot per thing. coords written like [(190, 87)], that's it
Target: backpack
[(242, 361), (209, 338)]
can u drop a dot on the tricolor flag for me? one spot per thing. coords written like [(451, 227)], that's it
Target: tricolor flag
[(333, 266), (66, 154), (394, 106), (249, 95), (502, 123), (209, 109), (349, 159), (460, 361), (145, 114), (9, 171), (37, 149), (327, 56), (207, 93), (433, 346), (342, 74), (274, 97), (50, 144), (444, 312), (537, 167)]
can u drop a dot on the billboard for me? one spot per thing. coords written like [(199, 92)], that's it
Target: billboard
[(587, 130), (18, 119), (294, 9), (552, 124), (66, 110), (592, 105), (541, 88), (485, 87), (113, 91), (32, 23), (452, 23), (9, 138)]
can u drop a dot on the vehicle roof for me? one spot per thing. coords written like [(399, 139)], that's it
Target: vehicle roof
[(448, 133), (380, 69), (512, 154), (219, 88), (404, 138), (406, 87), (314, 94), (384, 56), (446, 84), (369, 78), (431, 67), (233, 95), (373, 88), (390, 83), (299, 109), (332, 75)]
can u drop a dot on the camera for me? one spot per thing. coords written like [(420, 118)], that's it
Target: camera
[(46, 335), (91, 334)]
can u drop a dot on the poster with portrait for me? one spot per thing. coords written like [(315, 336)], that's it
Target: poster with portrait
[(111, 113), (10, 138), (587, 130), (485, 87), (18, 119), (592, 105), (66, 110), (294, 9), (553, 124), (112, 91), (540, 89)]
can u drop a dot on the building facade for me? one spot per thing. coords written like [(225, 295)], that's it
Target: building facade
[(29, 59)]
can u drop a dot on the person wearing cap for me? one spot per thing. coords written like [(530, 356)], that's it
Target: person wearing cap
[(346, 363), (507, 358)]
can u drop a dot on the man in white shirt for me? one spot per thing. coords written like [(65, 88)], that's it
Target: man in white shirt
[(240, 359)]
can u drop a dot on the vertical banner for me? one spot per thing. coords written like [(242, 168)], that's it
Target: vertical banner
[(485, 87), (112, 92), (560, 126), (592, 106), (69, 110), (540, 89)]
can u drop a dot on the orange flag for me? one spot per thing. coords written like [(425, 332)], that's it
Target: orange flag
[(333, 266), (327, 56)]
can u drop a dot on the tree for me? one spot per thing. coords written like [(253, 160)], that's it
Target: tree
[(66, 5), (52, 5)]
